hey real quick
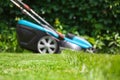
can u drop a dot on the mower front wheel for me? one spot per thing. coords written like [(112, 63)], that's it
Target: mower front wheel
[(47, 44)]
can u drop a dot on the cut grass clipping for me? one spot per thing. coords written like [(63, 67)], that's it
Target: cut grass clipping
[(69, 65)]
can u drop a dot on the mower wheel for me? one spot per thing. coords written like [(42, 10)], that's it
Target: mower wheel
[(47, 44)]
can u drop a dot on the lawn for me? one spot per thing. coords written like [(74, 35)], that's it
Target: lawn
[(69, 65)]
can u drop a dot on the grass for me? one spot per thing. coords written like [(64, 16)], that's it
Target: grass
[(69, 65)]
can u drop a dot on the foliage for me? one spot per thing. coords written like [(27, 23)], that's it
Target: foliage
[(109, 43), (89, 17), (8, 40), (69, 65)]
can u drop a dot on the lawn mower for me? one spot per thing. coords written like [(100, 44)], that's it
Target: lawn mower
[(41, 37)]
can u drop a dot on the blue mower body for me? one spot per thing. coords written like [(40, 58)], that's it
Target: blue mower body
[(29, 33)]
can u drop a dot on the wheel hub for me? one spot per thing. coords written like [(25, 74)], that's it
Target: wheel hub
[(47, 45)]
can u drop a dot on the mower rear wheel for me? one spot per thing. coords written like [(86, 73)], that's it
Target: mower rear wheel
[(47, 44)]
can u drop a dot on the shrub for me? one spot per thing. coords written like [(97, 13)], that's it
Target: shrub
[(8, 40), (109, 43)]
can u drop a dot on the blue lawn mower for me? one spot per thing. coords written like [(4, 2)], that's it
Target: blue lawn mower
[(41, 37)]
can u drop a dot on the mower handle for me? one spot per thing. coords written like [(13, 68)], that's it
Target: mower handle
[(24, 5), (29, 9)]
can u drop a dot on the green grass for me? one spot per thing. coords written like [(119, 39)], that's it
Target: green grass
[(69, 65)]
